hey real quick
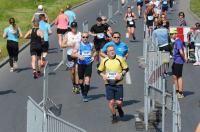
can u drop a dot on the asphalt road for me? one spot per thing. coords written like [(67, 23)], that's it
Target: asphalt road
[(94, 115)]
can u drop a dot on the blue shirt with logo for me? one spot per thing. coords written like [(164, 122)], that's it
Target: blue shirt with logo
[(11, 35), (121, 48), (86, 51), (44, 26), (71, 15)]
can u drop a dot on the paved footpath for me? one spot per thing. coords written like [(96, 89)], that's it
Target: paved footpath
[(93, 116)]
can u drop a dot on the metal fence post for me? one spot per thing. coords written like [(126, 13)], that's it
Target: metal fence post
[(85, 26), (110, 13), (118, 8), (163, 104), (63, 61)]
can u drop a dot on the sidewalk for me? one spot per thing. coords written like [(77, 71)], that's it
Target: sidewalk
[(184, 5)]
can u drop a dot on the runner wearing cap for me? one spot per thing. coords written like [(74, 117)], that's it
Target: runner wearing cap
[(69, 41), (39, 11)]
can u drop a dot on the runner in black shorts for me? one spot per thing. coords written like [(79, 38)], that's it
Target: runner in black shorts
[(139, 6), (149, 16), (36, 36), (98, 31), (85, 53)]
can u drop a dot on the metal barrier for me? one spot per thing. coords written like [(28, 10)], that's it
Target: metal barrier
[(41, 119), (110, 13), (156, 65), (119, 8), (85, 26), (64, 59)]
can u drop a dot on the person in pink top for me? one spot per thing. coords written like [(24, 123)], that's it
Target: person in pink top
[(62, 22)]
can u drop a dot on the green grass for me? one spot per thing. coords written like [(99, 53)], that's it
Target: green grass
[(195, 7), (22, 11)]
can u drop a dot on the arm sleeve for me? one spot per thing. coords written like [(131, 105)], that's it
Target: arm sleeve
[(101, 67), (124, 64)]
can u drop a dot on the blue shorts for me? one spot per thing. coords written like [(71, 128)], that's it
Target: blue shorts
[(114, 92)]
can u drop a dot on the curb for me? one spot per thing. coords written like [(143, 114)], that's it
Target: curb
[(6, 59)]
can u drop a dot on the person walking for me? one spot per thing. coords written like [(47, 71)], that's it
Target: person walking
[(36, 36), (12, 33), (85, 53), (46, 29), (62, 22), (112, 69), (179, 59)]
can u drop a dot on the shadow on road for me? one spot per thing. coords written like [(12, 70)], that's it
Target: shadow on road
[(127, 117), (7, 92), (130, 102), (23, 69), (188, 93), (97, 96)]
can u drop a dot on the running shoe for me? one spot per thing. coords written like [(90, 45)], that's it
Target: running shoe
[(120, 111), (35, 75), (11, 69), (73, 90), (114, 119), (85, 99), (180, 96), (77, 90), (15, 65), (196, 63)]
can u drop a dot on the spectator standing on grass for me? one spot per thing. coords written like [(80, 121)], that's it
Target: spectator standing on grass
[(179, 59), (70, 14), (39, 11), (12, 33)]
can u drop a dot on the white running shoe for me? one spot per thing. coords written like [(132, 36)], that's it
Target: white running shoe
[(11, 69), (196, 63), (15, 65)]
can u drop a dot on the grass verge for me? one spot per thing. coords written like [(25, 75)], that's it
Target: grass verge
[(195, 7), (22, 11)]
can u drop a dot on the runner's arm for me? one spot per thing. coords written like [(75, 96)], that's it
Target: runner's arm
[(5, 34), (75, 53), (64, 43), (28, 34)]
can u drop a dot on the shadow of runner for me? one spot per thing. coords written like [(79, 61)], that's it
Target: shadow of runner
[(95, 97), (188, 93), (7, 92), (127, 117), (130, 102), (23, 69)]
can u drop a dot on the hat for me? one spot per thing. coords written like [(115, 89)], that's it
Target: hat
[(74, 24), (99, 19), (173, 31), (40, 7)]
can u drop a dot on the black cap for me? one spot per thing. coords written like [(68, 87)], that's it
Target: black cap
[(74, 24), (99, 19)]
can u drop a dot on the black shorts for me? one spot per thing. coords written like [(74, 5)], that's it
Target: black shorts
[(98, 44), (45, 46), (84, 70), (61, 31), (177, 69), (166, 48), (164, 9), (149, 23), (71, 61), (140, 3), (36, 50), (114, 92), (131, 25)]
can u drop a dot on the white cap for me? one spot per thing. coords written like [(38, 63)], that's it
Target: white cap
[(40, 7)]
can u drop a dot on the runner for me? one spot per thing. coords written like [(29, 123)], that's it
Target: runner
[(46, 29), (157, 7), (139, 7), (181, 19), (129, 18), (112, 69), (85, 53), (179, 59), (37, 14), (121, 48), (69, 41), (164, 6), (62, 22), (149, 15), (122, 2), (36, 36), (98, 31), (12, 33), (105, 21), (70, 14)]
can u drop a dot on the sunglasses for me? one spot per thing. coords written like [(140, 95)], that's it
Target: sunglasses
[(104, 19), (84, 36), (116, 37)]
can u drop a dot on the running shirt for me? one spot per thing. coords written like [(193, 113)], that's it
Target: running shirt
[(72, 39), (130, 20), (139, 1), (71, 15), (112, 67), (99, 30), (121, 49), (45, 27), (11, 35), (36, 40), (86, 51), (62, 22)]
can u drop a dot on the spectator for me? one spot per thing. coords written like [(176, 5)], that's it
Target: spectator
[(181, 19)]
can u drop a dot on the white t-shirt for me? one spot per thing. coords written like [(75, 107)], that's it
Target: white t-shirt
[(72, 39)]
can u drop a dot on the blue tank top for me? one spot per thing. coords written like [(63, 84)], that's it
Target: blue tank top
[(86, 51)]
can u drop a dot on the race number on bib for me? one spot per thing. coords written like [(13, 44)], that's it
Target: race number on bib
[(150, 18), (100, 35), (131, 22), (86, 53), (111, 75), (164, 2)]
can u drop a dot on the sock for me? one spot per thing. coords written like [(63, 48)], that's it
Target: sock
[(82, 89), (181, 92)]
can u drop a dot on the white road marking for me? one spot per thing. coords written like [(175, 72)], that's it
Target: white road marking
[(128, 78)]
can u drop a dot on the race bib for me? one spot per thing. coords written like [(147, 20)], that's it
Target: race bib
[(150, 18), (100, 35), (164, 2), (86, 53), (131, 22), (111, 75), (69, 51)]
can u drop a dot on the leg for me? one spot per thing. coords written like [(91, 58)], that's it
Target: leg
[(10, 53), (180, 84), (60, 40), (175, 80)]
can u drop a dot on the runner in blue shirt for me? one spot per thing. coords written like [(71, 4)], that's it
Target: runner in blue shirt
[(12, 33), (70, 14), (46, 29), (121, 48)]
